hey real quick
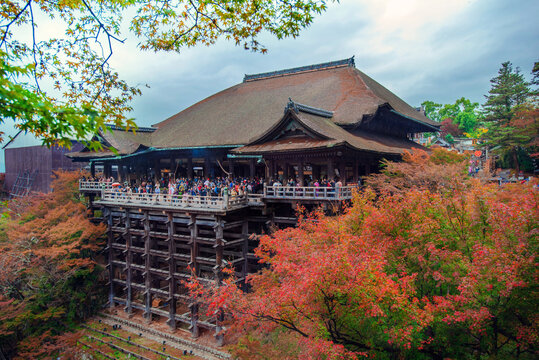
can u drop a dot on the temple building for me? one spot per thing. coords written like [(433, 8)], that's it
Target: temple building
[(326, 120), (308, 123)]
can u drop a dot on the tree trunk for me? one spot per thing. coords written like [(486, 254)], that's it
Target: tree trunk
[(515, 161)]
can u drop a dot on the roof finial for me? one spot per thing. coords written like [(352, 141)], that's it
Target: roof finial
[(291, 105)]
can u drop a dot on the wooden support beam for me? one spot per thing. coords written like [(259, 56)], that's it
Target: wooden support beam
[(193, 264), (219, 227), (342, 171), (190, 168), (128, 261), (301, 178), (171, 270), (147, 266), (331, 170), (207, 166), (245, 248), (110, 255), (252, 165), (231, 168), (194, 320), (193, 227), (219, 230), (157, 169)]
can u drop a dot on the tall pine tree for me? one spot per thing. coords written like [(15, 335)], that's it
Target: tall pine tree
[(509, 96)]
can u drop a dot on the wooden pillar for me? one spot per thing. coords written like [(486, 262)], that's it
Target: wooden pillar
[(92, 169), (342, 171), (252, 167), (147, 266), (217, 270), (171, 270), (194, 244), (367, 169), (172, 168), (219, 233), (194, 320), (245, 250), (190, 168), (231, 168), (285, 173), (91, 198), (301, 177), (107, 170), (207, 165), (194, 269), (121, 177), (110, 238), (331, 171), (212, 168), (267, 171), (316, 172), (128, 261), (157, 169), (356, 171)]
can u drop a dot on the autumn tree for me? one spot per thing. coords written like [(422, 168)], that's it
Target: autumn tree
[(427, 273), (511, 110), (441, 170), (448, 127), (62, 87), (49, 276)]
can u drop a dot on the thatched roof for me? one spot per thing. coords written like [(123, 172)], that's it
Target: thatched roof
[(241, 113), (238, 114)]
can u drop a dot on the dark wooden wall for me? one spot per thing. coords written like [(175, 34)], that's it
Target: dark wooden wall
[(40, 159)]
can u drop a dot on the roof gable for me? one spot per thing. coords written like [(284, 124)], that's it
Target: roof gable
[(242, 112)]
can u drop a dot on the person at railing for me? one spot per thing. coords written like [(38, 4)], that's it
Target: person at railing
[(316, 185), (338, 188), (299, 189), (157, 191)]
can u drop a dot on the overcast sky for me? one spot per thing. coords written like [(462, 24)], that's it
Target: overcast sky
[(436, 50)]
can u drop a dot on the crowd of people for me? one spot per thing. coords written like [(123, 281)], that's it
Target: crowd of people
[(195, 187), (218, 186)]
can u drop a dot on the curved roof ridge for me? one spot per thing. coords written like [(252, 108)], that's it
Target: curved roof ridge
[(297, 107), (400, 106), (307, 68)]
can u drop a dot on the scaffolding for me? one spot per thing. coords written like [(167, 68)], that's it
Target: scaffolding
[(23, 184)]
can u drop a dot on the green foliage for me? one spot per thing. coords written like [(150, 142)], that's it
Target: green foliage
[(83, 93), (449, 138), (525, 162), (463, 112), (508, 90), (512, 112)]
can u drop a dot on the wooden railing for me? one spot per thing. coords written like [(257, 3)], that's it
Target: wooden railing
[(94, 185), (173, 201), (110, 195), (308, 192)]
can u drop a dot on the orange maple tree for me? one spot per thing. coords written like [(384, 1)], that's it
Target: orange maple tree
[(426, 273), (49, 277)]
